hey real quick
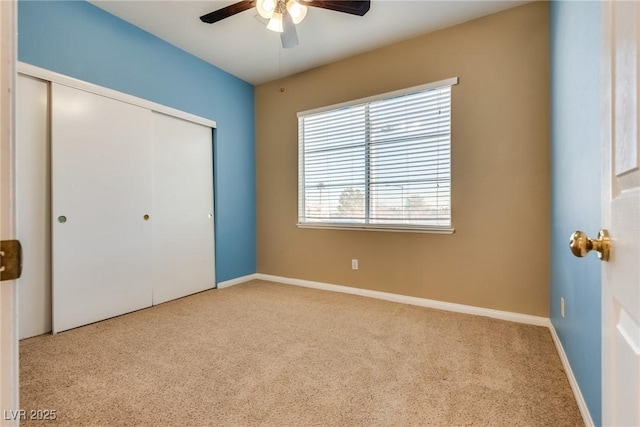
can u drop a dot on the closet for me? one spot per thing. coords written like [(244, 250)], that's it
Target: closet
[(123, 188)]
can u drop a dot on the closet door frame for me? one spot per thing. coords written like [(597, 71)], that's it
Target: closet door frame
[(51, 76)]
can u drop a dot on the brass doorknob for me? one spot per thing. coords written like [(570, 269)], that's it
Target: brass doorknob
[(581, 244)]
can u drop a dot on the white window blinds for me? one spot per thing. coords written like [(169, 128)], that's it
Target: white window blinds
[(382, 162)]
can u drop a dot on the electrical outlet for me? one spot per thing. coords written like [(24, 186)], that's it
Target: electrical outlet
[(354, 264), (562, 307)]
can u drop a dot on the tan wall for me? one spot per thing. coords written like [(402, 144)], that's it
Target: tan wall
[(499, 255)]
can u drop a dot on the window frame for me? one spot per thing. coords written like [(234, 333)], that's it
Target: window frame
[(375, 227)]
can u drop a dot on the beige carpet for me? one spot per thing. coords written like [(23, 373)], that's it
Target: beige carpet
[(277, 355)]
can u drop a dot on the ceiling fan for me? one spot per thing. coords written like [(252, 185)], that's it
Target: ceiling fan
[(283, 15)]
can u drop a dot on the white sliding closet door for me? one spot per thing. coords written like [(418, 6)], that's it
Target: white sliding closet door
[(101, 176), (182, 220), (33, 204)]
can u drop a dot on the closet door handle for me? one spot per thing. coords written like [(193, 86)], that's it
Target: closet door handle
[(146, 217)]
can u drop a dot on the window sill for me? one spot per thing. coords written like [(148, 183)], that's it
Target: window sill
[(361, 227)]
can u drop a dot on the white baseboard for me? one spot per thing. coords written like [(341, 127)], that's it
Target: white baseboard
[(236, 281), (582, 405), (422, 302)]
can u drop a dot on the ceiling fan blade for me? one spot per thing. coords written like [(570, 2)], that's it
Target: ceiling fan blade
[(289, 35), (354, 7), (228, 11)]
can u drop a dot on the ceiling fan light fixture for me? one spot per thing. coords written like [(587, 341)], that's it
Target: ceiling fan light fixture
[(275, 23), (297, 11), (266, 8)]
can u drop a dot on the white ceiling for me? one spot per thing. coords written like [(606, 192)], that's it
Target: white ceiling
[(242, 46)]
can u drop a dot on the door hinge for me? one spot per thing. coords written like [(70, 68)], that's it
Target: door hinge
[(10, 259)]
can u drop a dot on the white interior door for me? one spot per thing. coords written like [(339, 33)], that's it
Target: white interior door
[(621, 215), (101, 176), (33, 204), (182, 220), (8, 293)]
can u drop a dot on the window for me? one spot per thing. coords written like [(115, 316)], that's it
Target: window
[(380, 163)]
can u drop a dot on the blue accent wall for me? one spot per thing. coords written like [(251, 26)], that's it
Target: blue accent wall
[(575, 193), (80, 40)]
